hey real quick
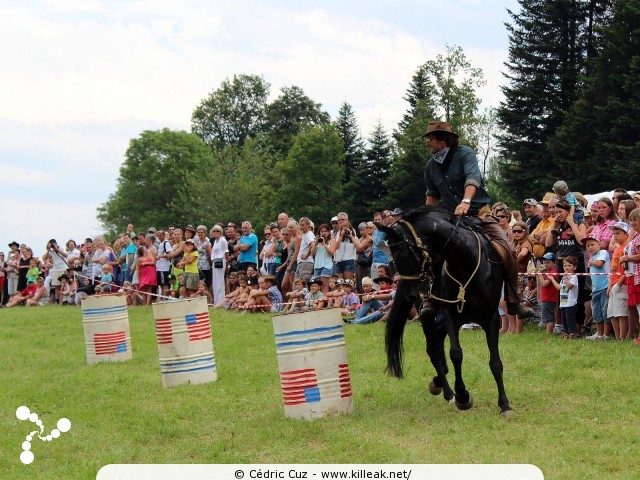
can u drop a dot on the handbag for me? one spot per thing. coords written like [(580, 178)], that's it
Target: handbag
[(365, 259), (218, 263)]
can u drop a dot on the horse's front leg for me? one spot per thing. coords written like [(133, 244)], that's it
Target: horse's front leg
[(464, 400), (495, 363), (435, 334)]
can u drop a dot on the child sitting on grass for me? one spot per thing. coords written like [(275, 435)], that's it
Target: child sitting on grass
[(202, 291), (314, 300), (335, 292), (266, 298), (350, 302), (295, 298)]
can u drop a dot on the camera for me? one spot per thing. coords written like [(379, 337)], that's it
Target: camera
[(347, 232), (320, 239)]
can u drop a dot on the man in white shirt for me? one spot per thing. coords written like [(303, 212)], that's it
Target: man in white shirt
[(305, 258)]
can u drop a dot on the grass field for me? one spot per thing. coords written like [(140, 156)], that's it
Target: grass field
[(577, 403)]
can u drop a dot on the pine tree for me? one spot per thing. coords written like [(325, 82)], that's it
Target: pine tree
[(368, 187), (347, 126), (599, 141), (549, 46)]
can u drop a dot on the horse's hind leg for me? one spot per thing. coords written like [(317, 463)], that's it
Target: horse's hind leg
[(464, 400), (435, 335), (495, 363)]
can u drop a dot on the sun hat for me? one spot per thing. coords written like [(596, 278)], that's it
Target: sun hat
[(439, 127), (620, 226), (270, 278), (547, 198)]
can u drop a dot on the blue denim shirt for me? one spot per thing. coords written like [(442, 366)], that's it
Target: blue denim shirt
[(447, 182)]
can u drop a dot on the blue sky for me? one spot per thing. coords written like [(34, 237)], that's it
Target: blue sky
[(79, 79)]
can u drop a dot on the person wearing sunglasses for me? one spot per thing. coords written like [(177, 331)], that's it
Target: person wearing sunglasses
[(524, 250), (503, 215)]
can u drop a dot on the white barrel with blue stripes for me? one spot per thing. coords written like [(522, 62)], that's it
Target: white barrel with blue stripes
[(107, 337), (312, 359), (184, 339)]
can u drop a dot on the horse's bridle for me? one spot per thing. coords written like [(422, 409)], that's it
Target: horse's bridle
[(417, 244)]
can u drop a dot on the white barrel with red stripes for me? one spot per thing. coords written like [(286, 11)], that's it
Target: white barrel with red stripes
[(184, 339), (312, 359), (106, 329)]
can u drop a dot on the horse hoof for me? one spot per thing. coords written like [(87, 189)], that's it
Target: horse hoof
[(507, 413), (465, 406), (434, 389)]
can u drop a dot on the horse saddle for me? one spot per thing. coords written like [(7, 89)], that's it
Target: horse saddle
[(493, 234)]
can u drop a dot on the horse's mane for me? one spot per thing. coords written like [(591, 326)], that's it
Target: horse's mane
[(432, 210), (463, 224)]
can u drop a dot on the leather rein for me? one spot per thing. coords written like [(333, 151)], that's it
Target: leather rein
[(416, 244)]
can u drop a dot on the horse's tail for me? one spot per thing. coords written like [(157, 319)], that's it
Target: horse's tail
[(395, 327)]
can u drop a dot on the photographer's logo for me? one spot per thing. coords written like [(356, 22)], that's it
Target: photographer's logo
[(23, 413)]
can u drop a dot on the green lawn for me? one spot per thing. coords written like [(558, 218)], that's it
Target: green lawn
[(577, 403)]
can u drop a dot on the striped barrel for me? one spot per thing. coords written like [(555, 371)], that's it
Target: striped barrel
[(312, 359), (185, 347), (106, 329)]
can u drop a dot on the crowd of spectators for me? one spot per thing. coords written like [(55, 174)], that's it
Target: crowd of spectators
[(579, 266)]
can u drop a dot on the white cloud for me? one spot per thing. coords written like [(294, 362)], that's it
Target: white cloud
[(81, 78)]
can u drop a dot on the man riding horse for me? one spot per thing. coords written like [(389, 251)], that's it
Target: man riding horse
[(454, 181)]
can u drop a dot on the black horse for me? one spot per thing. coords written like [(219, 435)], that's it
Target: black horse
[(427, 244)]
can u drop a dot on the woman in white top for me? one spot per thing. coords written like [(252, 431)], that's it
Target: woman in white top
[(343, 245), (323, 256), (266, 255), (219, 258)]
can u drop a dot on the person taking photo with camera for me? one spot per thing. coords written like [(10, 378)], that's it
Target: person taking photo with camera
[(323, 257), (344, 244), (58, 260)]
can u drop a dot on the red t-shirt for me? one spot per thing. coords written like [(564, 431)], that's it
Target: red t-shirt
[(549, 293), (29, 290)]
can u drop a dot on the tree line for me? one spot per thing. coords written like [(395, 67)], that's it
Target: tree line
[(572, 99), (247, 158)]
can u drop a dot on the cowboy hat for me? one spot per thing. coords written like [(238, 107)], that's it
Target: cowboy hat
[(383, 278), (439, 127)]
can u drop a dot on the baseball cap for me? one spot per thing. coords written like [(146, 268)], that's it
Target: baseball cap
[(530, 201), (620, 226), (548, 256), (591, 236)]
